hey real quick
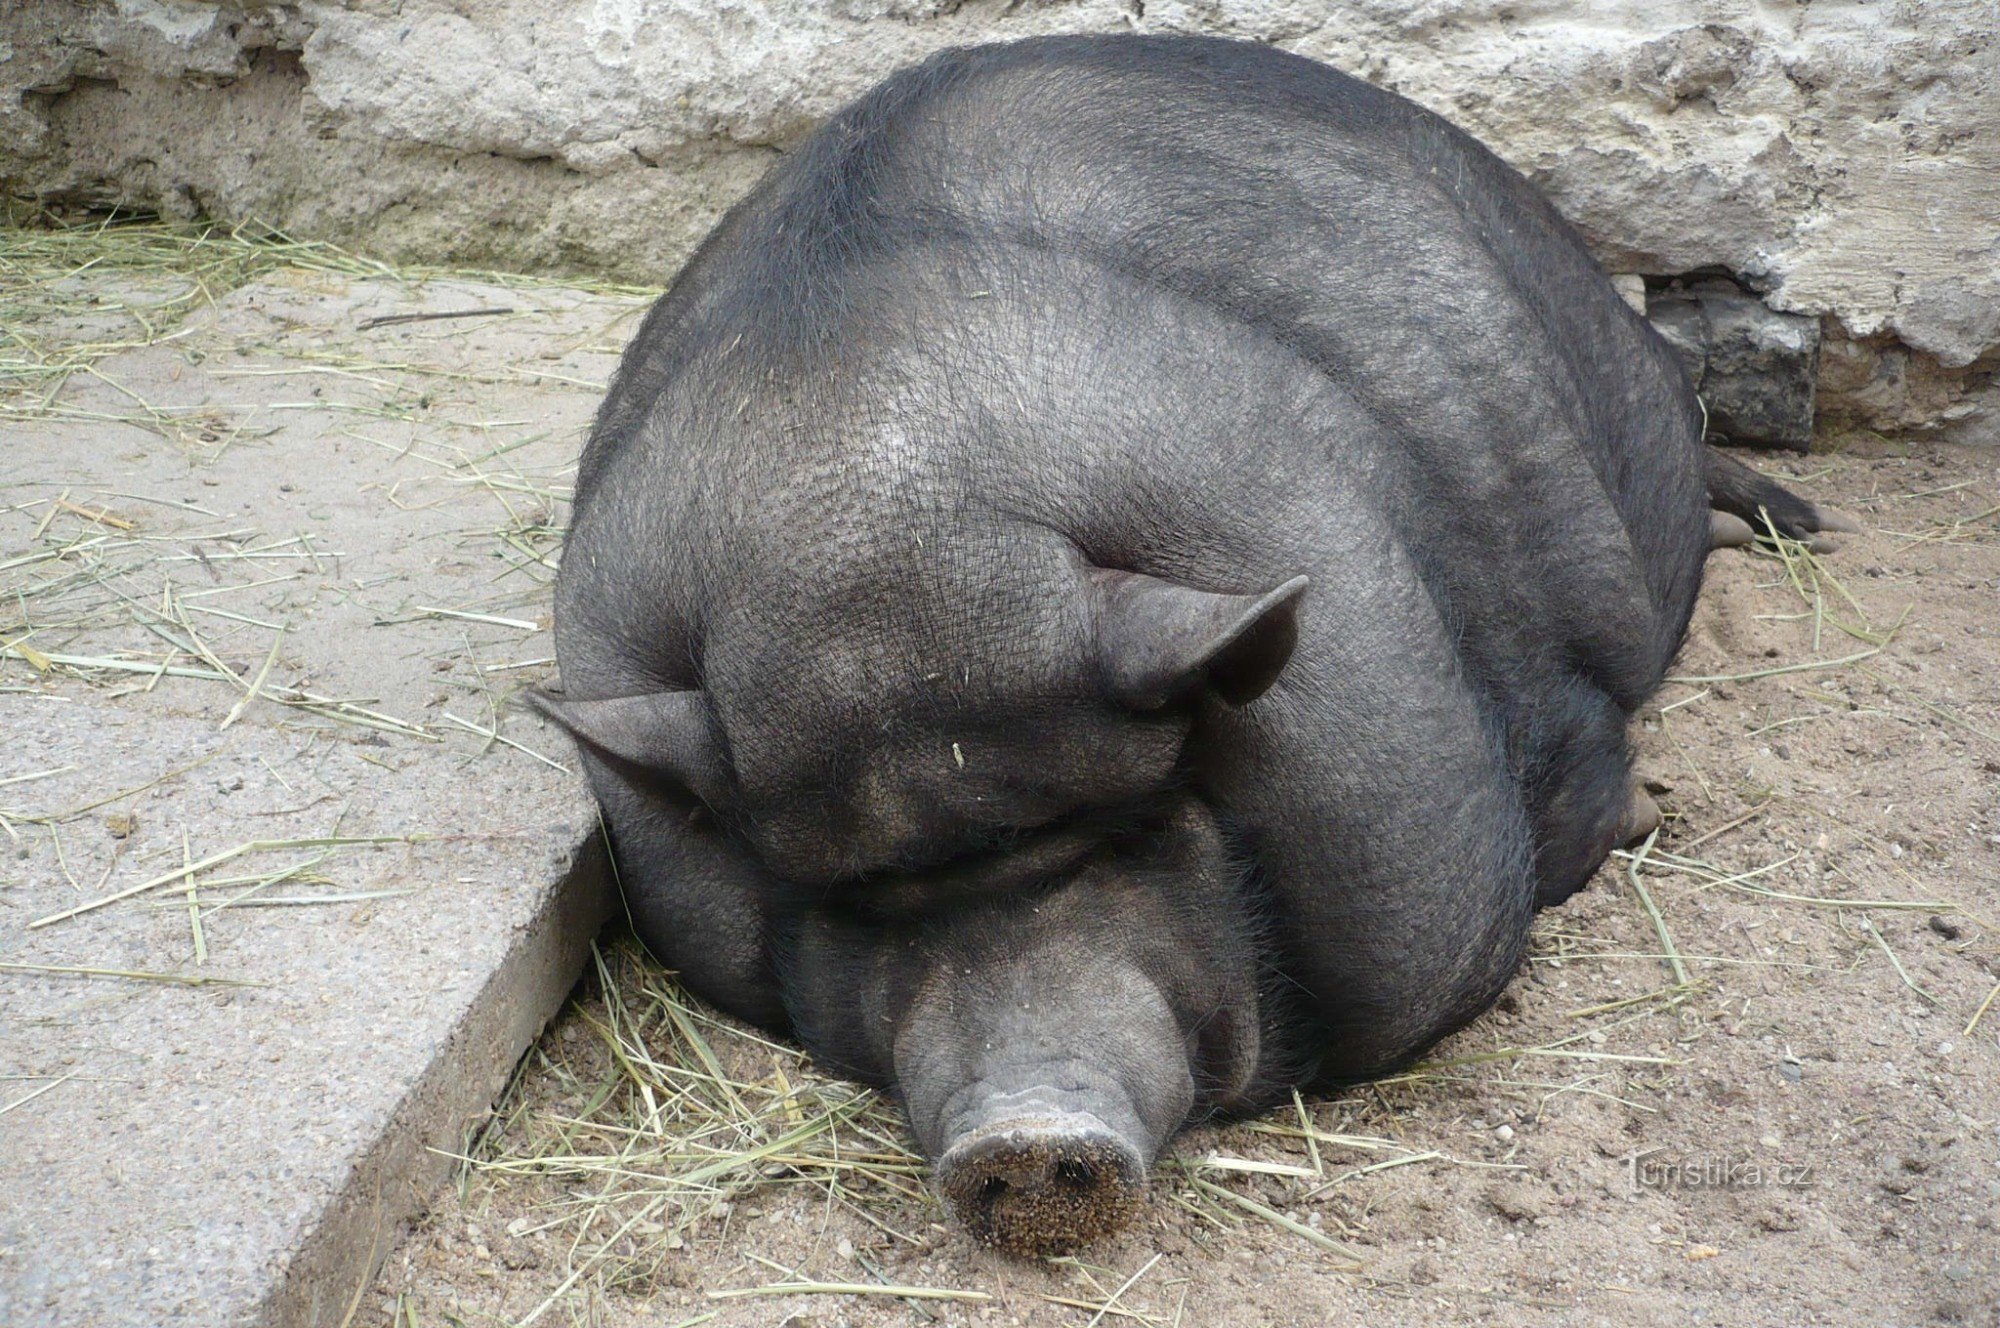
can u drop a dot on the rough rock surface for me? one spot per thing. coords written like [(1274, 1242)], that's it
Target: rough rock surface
[(1843, 159), (1755, 368)]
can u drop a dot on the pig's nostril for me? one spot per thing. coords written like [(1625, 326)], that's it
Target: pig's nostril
[(1042, 1187)]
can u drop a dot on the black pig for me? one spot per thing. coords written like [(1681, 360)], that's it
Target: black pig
[(1113, 585)]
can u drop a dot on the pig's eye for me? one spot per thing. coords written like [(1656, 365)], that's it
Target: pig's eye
[(1009, 863), (1013, 864)]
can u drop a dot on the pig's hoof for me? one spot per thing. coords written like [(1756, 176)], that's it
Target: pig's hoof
[(1042, 1185), (1642, 817), (1826, 523), (1727, 531)]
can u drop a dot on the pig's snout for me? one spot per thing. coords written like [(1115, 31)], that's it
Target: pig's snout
[(1053, 1044), (1042, 1123), (1042, 1184)]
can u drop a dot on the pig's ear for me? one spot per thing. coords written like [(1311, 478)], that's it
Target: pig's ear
[(668, 733), (1157, 639)]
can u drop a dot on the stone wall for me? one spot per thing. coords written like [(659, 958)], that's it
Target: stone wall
[(1840, 158)]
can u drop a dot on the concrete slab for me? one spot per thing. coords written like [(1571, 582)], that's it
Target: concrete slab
[(266, 589)]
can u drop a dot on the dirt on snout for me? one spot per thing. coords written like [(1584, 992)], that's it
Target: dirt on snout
[(1750, 1075)]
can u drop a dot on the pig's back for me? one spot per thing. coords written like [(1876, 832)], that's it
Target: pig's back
[(1541, 446)]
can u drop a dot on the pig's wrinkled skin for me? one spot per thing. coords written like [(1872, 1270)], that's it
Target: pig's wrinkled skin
[(1113, 585)]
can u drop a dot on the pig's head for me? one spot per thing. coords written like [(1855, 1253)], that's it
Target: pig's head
[(987, 883), (1050, 1018)]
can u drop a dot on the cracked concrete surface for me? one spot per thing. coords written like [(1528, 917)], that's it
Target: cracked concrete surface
[(269, 586)]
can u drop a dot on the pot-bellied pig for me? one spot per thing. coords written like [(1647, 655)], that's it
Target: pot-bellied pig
[(1113, 585)]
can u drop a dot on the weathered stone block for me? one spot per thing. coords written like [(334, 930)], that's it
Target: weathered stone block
[(1755, 368)]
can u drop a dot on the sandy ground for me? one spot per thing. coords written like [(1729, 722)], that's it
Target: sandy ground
[(1794, 1126)]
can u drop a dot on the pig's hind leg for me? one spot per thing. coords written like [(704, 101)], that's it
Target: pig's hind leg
[(1744, 498)]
